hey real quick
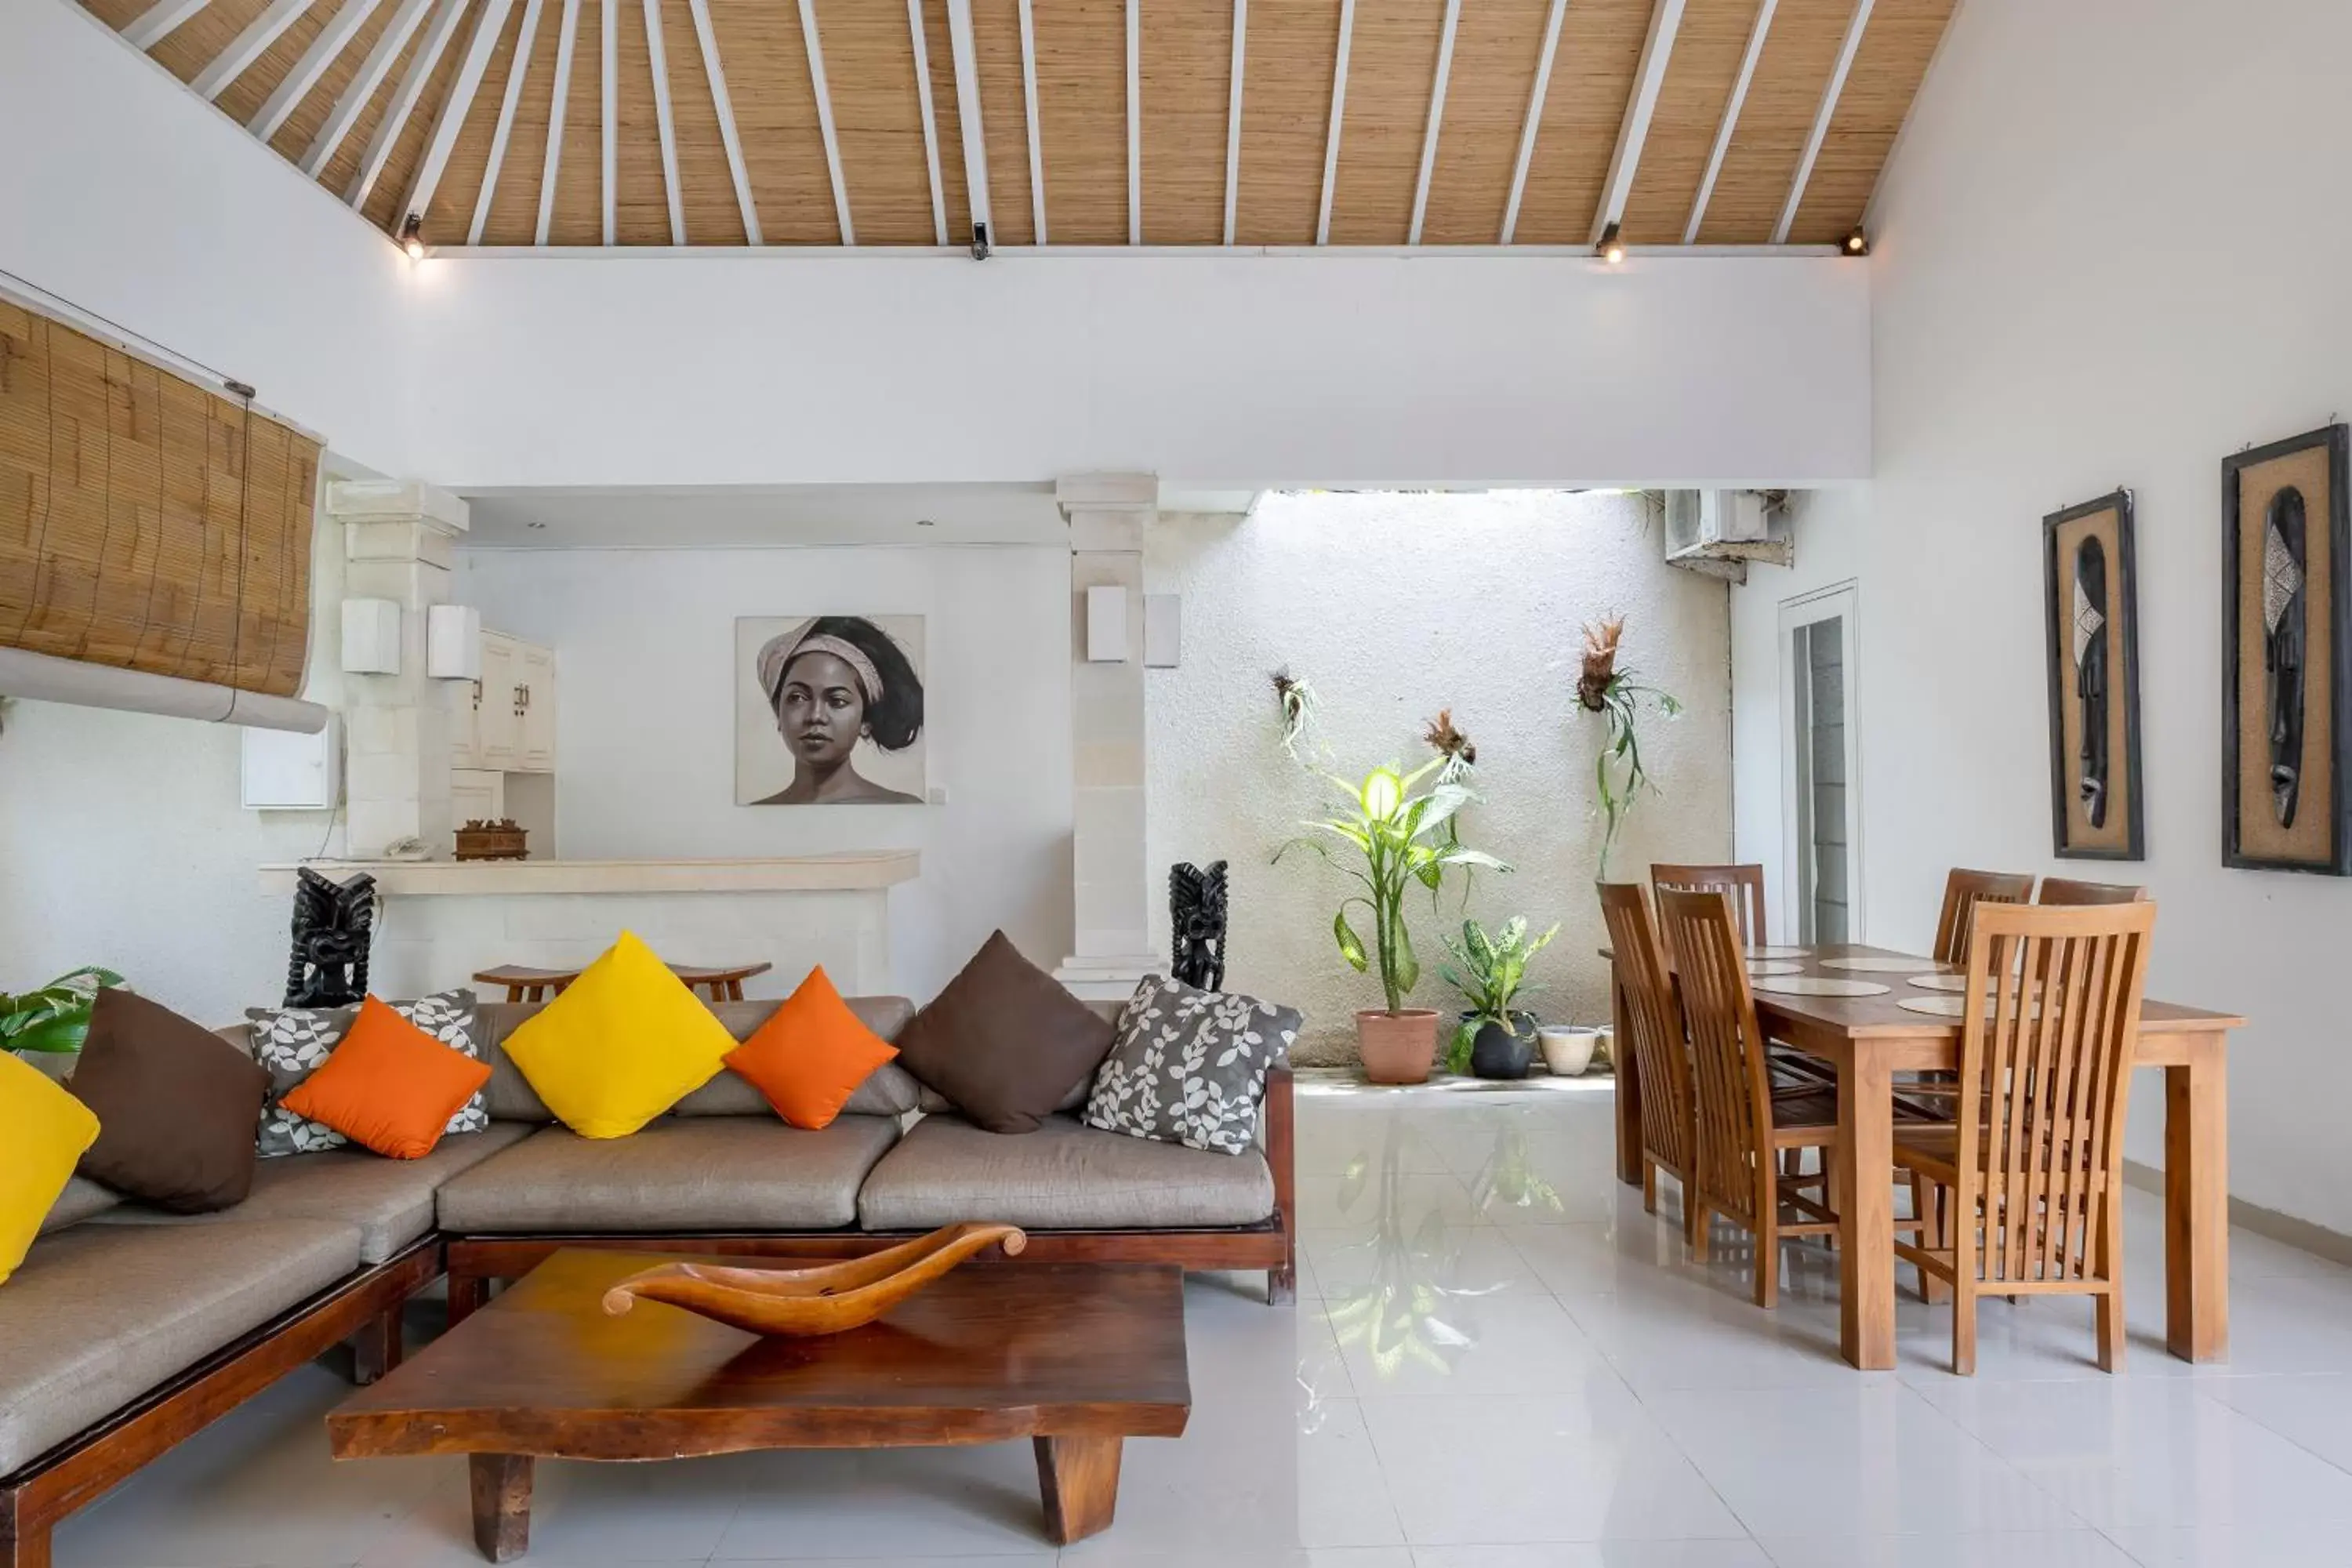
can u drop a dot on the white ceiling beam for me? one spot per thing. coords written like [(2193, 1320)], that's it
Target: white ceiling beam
[(824, 113), (248, 47), (1233, 117), (1029, 113), (1536, 96), (1339, 113), (1135, 122), (333, 40), (665, 122), (1437, 117), (555, 112), (150, 27), (516, 70), (608, 119), (1820, 130), (706, 35), (404, 99), (454, 110), (1755, 36), (362, 86), (1665, 18), (930, 121), (963, 53)]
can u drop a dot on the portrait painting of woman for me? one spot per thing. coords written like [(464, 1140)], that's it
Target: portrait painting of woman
[(829, 711)]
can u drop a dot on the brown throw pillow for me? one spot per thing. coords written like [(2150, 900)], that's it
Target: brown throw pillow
[(176, 1106), (1005, 1042)]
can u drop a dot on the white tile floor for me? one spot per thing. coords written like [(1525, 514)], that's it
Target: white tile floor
[(1497, 1360)]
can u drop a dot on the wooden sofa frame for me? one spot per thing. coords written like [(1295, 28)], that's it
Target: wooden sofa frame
[(365, 1310)]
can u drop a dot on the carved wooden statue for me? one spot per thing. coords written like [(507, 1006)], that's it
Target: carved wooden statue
[(1196, 923), (333, 924)]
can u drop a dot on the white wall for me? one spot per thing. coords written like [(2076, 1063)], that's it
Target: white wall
[(2109, 250), (130, 196), (1395, 607), (1233, 370), (645, 720)]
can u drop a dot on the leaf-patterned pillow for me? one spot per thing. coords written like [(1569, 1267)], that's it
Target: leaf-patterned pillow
[(292, 1043), (1189, 1067)]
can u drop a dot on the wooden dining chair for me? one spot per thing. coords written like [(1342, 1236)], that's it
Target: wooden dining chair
[(1741, 1129), (1745, 883), (2058, 890), (1661, 1054), (2026, 1180), (1963, 891)]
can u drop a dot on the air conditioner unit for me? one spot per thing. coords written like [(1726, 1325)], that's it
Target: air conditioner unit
[(1720, 531)]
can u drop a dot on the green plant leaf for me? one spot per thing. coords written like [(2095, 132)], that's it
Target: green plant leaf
[(1458, 1049), (1351, 946), (1459, 856), (59, 1035), (1408, 966)]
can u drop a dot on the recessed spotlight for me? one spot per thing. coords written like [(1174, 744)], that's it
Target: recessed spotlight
[(926, 522), (535, 522), (1856, 243), (411, 236), (1611, 249)]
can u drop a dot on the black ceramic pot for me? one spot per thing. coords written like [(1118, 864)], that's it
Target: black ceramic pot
[(1498, 1052)]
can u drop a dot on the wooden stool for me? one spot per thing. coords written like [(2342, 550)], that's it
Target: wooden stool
[(525, 983)]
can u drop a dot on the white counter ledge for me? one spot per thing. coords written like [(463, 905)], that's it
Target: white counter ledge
[(847, 871)]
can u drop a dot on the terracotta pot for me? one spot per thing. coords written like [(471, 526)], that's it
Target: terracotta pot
[(1397, 1048)]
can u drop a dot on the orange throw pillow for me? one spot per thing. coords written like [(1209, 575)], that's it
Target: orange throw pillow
[(389, 1086), (811, 1055)]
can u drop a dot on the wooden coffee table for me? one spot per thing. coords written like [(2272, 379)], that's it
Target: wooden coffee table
[(1078, 1357)]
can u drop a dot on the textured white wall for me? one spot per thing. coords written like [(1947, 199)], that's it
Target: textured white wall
[(2074, 289), (1394, 606)]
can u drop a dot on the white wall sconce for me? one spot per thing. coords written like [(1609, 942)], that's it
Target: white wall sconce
[(1163, 630), (1106, 625), (370, 636), (452, 642)]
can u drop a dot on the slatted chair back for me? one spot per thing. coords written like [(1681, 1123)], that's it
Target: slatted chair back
[(1963, 891), (2044, 1075), (2058, 890), (1745, 883), (1660, 1053), (1732, 1157)]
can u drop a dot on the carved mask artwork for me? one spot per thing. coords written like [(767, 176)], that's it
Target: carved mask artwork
[(1196, 922), (332, 925), (2283, 645), (2090, 649)]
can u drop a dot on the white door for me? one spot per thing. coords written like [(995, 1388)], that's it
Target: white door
[(1821, 766)]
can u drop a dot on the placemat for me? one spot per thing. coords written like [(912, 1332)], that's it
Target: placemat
[(1955, 982), (1818, 986), (1882, 964), (1763, 966), (1780, 953)]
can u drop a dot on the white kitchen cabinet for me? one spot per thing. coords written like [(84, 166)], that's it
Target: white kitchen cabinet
[(476, 795), (535, 746), (498, 717)]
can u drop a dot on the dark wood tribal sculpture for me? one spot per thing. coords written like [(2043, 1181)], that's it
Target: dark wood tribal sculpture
[(333, 924), (1196, 923)]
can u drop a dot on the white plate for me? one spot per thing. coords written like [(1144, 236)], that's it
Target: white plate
[(1818, 986), (1882, 964)]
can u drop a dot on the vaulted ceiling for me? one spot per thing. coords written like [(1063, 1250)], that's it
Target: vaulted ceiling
[(825, 122)]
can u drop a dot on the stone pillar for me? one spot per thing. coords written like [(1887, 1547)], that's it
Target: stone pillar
[(1113, 884), (398, 538)]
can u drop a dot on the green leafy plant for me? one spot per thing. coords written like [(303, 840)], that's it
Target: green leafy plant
[(1397, 833), (1489, 969), (57, 1017), (1617, 695)]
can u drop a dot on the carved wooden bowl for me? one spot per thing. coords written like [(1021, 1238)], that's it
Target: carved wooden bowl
[(804, 1302)]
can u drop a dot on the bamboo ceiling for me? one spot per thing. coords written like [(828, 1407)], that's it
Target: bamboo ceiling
[(1100, 122)]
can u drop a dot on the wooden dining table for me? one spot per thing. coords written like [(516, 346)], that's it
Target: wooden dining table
[(1866, 1041)]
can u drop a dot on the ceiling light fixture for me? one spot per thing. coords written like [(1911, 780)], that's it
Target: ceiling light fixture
[(1611, 249), (411, 236), (1856, 243)]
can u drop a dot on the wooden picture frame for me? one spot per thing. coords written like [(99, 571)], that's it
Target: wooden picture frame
[(2287, 655), (2091, 594)]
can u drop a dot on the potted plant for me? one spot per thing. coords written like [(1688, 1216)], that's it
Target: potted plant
[(54, 1020), (1618, 775), (1490, 969), (1395, 832)]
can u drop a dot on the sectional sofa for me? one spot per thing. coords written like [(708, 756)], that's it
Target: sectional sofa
[(127, 1330)]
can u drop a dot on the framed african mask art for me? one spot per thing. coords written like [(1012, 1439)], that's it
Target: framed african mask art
[(2091, 591), (829, 711), (2286, 650)]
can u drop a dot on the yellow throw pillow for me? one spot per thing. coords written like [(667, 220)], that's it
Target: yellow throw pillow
[(624, 1043), (48, 1130)]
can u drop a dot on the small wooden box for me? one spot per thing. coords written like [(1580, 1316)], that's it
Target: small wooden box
[(500, 840)]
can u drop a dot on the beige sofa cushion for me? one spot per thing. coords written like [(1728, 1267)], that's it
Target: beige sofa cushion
[(390, 1202), (678, 1176), (80, 1200), (1064, 1176), (100, 1313), (890, 1091)]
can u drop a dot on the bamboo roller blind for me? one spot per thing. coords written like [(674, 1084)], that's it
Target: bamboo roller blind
[(146, 521)]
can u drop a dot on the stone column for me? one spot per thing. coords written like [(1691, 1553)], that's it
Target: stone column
[(398, 538), (1113, 884)]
